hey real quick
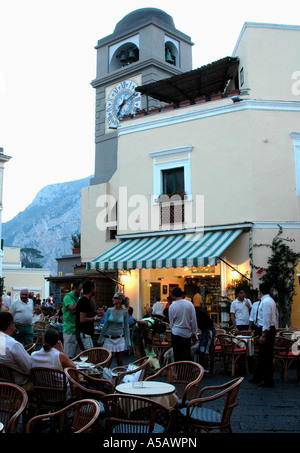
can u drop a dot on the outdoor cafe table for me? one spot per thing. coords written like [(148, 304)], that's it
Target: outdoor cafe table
[(88, 368), (250, 343), (161, 392)]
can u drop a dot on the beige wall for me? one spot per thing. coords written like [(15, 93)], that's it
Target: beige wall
[(268, 57), (242, 157), (16, 278), (236, 163)]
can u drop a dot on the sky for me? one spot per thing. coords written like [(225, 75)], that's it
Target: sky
[(47, 63)]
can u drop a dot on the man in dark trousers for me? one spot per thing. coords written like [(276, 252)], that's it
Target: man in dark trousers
[(85, 316), (183, 323), (263, 375)]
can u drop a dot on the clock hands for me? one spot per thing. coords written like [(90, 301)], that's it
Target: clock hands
[(124, 102)]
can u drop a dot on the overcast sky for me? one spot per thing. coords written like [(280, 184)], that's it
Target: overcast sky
[(48, 60)]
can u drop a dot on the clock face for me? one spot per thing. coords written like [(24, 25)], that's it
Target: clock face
[(122, 99)]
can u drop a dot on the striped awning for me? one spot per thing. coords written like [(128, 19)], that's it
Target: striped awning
[(196, 249)]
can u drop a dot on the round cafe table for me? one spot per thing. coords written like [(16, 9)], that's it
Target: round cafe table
[(161, 392)]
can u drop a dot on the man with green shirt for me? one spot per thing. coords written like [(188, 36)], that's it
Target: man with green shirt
[(71, 347)]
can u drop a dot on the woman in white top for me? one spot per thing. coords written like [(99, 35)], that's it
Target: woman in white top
[(38, 315), (52, 354)]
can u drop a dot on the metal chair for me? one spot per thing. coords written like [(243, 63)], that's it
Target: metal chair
[(142, 366), (13, 401), (185, 376), (198, 418), (78, 417), (97, 356), (133, 414)]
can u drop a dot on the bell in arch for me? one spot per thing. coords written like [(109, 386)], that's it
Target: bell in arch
[(169, 58), (123, 58), (131, 55)]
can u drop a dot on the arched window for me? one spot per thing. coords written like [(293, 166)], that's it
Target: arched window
[(124, 55)]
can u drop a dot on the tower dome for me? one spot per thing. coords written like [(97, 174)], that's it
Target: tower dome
[(138, 17)]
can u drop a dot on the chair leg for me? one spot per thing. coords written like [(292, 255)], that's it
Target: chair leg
[(247, 367)]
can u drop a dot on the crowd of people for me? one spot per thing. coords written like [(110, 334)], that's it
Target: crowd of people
[(120, 331)]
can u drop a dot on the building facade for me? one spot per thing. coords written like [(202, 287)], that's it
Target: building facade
[(228, 150), (17, 277)]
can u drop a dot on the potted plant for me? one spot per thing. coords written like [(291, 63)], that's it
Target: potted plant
[(75, 242)]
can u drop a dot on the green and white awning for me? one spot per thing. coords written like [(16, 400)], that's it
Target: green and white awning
[(196, 249)]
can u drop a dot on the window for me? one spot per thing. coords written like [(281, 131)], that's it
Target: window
[(172, 171), (173, 181)]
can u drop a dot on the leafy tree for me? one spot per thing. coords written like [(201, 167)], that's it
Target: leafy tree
[(280, 274), (30, 257)]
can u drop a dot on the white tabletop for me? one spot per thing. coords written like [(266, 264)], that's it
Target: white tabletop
[(150, 388)]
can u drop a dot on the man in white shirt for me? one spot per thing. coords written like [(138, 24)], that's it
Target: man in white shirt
[(22, 311), (240, 310), (255, 319), (183, 323), (158, 308), (13, 353), (263, 374), (7, 300)]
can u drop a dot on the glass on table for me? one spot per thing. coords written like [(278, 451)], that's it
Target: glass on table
[(137, 384), (83, 358)]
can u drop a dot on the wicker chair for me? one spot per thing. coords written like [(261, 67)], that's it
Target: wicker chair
[(30, 347), (84, 386), (13, 401), (198, 418), (78, 417), (246, 333), (185, 376), (142, 365), (97, 356), (215, 353), (50, 388), (286, 353), (233, 349), (39, 329), (133, 414), (8, 373)]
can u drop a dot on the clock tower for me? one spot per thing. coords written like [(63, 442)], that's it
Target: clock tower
[(144, 47)]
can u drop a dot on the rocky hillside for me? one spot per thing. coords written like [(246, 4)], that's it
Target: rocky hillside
[(48, 223)]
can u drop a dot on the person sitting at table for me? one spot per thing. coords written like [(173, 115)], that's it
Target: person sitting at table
[(101, 314), (38, 315), (115, 335), (52, 354), (12, 352)]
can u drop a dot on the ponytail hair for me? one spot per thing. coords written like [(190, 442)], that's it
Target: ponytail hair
[(51, 337)]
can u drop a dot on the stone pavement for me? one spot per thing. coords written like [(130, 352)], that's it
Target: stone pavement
[(264, 410), (260, 410)]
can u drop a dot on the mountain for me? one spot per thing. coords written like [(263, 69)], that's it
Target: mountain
[(48, 223)]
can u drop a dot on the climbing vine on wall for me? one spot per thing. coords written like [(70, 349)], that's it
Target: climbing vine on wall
[(280, 274)]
